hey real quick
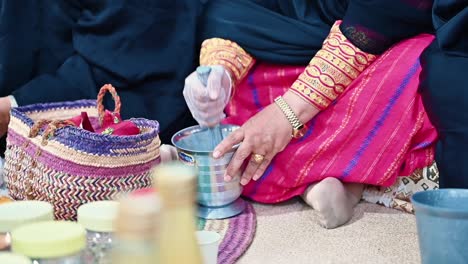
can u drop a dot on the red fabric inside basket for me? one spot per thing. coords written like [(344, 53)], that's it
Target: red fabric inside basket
[(112, 124)]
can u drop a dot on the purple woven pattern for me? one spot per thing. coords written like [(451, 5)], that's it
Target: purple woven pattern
[(29, 180), (23, 111), (88, 142), (69, 167), (238, 237)]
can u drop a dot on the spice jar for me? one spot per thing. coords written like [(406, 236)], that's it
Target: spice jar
[(98, 220), (136, 228), (15, 214), (50, 242), (10, 258)]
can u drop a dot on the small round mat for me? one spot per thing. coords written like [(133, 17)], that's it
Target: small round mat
[(237, 234)]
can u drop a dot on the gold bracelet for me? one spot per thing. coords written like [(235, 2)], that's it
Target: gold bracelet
[(297, 126)]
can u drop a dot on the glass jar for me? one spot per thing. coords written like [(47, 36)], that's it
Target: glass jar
[(136, 225), (50, 242), (10, 258), (15, 214), (98, 220)]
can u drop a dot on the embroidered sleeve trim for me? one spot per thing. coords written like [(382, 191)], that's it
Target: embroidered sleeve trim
[(331, 70), (217, 51)]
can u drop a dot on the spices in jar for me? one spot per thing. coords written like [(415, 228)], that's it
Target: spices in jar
[(15, 214), (50, 242), (98, 220), (5, 199)]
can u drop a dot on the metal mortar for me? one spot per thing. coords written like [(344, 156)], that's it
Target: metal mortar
[(217, 199)]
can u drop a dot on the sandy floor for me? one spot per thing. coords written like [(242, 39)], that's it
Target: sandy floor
[(288, 233)]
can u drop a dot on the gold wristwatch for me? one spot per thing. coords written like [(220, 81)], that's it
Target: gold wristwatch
[(299, 129)]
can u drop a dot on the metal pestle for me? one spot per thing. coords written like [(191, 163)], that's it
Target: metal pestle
[(216, 134)]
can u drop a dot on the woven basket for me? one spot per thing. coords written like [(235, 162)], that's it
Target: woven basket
[(69, 166)]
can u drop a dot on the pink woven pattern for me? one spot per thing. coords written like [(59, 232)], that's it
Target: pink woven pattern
[(29, 180)]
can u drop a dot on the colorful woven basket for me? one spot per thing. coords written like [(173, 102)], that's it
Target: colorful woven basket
[(67, 165)]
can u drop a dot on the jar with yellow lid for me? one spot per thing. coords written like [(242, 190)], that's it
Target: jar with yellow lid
[(10, 258), (98, 219), (15, 214), (50, 242), (137, 228)]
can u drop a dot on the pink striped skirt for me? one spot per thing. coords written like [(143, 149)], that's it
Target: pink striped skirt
[(377, 130)]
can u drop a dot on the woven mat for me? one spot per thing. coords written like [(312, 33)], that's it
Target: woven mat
[(237, 234)]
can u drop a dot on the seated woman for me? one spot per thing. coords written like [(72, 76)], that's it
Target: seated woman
[(325, 105), (66, 50)]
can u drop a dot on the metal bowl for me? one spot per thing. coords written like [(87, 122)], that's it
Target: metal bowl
[(217, 199)]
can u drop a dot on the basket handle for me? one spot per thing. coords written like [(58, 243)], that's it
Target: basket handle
[(51, 128), (101, 111), (37, 126)]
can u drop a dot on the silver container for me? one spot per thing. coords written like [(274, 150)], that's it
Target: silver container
[(217, 199)]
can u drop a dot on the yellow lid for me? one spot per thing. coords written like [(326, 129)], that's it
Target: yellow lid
[(10, 258), (19, 213), (45, 240), (98, 216)]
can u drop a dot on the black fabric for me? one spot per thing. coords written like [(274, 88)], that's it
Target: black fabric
[(375, 25), (291, 32), (277, 31), (445, 90), (64, 50)]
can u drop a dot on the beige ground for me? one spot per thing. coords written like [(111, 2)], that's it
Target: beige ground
[(288, 233)]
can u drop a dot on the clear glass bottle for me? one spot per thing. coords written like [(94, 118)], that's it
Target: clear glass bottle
[(136, 228), (98, 219), (176, 186), (14, 214), (50, 242)]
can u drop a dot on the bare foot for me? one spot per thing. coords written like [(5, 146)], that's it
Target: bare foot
[(168, 153), (333, 200)]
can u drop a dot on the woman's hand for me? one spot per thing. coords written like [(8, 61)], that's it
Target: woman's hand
[(5, 106), (263, 136), (207, 103)]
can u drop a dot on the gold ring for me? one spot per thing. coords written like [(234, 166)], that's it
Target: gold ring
[(258, 158)]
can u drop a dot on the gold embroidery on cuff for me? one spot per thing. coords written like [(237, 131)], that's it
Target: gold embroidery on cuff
[(331, 70), (217, 51)]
